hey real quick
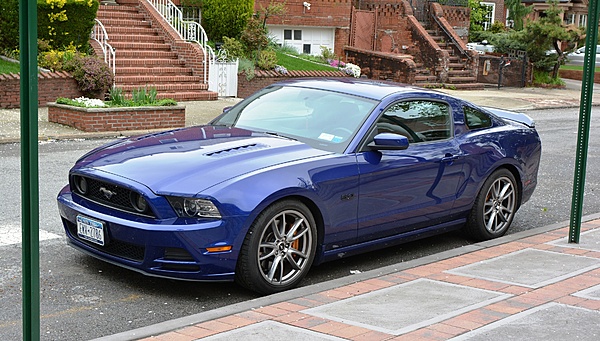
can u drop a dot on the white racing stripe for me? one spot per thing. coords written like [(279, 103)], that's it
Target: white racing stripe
[(11, 234)]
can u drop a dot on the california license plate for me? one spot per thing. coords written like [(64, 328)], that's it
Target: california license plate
[(90, 230)]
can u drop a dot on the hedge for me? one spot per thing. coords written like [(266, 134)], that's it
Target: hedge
[(225, 17), (60, 22)]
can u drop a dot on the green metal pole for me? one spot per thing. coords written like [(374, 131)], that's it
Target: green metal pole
[(585, 109), (29, 169)]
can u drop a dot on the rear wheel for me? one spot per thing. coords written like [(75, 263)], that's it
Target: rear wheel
[(494, 207), (279, 248)]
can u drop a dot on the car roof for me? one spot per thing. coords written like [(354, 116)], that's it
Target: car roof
[(372, 89)]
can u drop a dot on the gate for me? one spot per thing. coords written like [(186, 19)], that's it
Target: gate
[(222, 77), (362, 35)]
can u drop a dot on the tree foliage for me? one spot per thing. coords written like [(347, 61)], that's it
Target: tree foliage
[(549, 33), (517, 12), (225, 18)]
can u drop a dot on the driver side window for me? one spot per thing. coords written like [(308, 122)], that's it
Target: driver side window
[(418, 120)]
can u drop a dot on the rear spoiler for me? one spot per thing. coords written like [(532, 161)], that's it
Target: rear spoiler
[(512, 116)]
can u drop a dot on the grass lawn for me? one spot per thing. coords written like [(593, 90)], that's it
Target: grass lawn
[(8, 67), (299, 64), (576, 67)]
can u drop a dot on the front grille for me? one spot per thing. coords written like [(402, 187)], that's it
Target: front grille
[(108, 194), (113, 247)]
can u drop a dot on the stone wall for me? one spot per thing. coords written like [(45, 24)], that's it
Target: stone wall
[(51, 85), (117, 119)]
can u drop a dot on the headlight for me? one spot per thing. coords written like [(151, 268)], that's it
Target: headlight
[(194, 208)]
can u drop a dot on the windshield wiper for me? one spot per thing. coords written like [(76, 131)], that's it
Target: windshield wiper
[(279, 135)]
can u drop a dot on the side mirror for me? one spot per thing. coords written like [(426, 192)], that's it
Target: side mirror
[(389, 141)]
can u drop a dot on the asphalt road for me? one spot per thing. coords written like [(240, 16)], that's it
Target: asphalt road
[(83, 298)]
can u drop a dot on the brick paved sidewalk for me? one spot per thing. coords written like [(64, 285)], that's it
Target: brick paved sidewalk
[(536, 287)]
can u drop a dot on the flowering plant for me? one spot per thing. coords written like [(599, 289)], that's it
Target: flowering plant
[(281, 69), (351, 69), (336, 63), (82, 102)]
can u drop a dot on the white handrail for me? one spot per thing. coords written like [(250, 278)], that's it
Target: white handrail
[(187, 30), (99, 34)]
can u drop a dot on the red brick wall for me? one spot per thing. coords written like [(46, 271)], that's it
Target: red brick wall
[(51, 85), (511, 75), (117, 119), (577, 75), (322, 13), (263, 78)]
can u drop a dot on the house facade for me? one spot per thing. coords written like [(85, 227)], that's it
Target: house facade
[(310, 26)]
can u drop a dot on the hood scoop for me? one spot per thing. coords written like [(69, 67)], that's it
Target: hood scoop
[(237, 150)]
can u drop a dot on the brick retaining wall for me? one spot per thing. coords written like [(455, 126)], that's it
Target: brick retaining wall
[(577, 75), (263, 78), (117, 119), (51, 85)]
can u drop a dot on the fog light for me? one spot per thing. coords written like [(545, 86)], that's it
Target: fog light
[(138, 202)]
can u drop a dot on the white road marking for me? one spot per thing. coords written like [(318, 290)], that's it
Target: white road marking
[(11, 234)]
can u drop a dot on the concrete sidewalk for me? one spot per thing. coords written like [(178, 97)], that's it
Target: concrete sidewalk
[(531, 285), (518, 99)]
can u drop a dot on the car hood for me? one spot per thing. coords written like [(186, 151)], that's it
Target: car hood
[(189, 160)]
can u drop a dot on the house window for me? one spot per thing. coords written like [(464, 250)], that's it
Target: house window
[(582, 20), (287, 34), (297, 34), (306, 48), (488, 19)]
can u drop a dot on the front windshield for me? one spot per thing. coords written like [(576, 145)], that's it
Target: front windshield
[(323, 119)]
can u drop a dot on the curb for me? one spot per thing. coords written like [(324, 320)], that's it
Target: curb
[(170, 325)]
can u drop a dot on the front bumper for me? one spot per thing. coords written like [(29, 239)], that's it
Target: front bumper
[(172, 249)]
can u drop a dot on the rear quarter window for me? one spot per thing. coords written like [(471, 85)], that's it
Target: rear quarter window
[(476, 119)]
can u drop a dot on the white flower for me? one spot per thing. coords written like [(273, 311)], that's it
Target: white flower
[(351, 69), (307, 5), (90, 102)]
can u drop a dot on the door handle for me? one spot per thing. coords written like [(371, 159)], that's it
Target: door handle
[(449, 158)]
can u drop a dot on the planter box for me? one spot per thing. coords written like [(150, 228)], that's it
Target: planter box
[(117, 119)]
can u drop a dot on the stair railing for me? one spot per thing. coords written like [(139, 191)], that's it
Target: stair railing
[(187, 30), (99, 35)]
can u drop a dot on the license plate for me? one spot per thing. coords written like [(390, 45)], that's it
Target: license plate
[(90, 230)]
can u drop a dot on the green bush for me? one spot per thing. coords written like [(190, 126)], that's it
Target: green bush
[(60, 23), (9, 24), (69, 24), (267, 59), (225, 18)]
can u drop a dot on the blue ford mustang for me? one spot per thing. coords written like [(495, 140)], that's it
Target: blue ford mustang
[(301, 172)]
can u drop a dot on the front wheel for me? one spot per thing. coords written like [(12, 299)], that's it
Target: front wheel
[(494, 207), (279, 248)]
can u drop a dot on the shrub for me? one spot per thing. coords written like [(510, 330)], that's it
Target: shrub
[(254, 38), (267, 59), (60, 22), (92, 75), (66, 22), (234, 48), (225, 18), (58, 60), (9, 24)]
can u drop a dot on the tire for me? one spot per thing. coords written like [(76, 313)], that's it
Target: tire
[(494, 207), (279, 248)]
